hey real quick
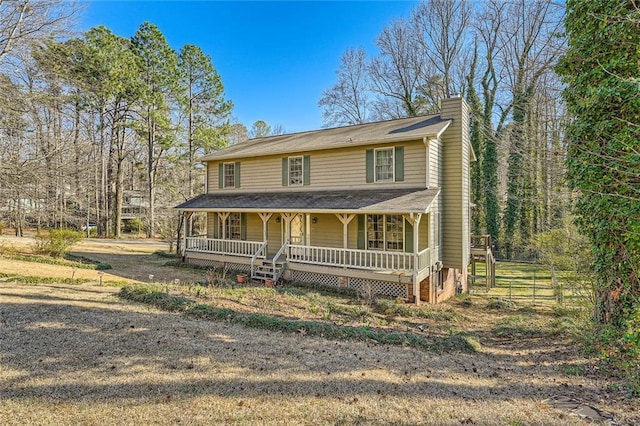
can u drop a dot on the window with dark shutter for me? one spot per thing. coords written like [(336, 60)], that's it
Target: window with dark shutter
[(399, 163)]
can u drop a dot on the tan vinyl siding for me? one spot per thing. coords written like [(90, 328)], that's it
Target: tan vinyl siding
[(274, 234), (327, 232), (210, 225), (330, 170), (353, 233), (254, 227), (212, 176), (466, 220), (455, 237), (423, 232), (434, 163), (435, 238), (414, 167)]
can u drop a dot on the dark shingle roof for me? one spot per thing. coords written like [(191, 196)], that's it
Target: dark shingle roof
[(401, 129), (404, 200)]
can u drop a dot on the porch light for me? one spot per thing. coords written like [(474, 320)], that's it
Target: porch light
[(314, 220), (278, 219)]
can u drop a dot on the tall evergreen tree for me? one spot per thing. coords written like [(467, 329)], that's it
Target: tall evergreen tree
[(158, 86), (203, 103)]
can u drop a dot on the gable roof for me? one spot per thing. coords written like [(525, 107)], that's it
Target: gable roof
[(400, 200), (339, 137)]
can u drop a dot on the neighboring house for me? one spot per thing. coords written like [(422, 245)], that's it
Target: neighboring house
[(134, 205), (378, 206)]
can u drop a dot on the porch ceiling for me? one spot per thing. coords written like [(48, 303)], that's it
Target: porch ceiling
[(405, 200)]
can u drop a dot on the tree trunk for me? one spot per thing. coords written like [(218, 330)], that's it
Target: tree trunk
[(151, 176)]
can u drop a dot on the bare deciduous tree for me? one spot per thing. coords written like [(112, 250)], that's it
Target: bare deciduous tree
[(444, 25), (396, 74), (347, 102), (22, 21)]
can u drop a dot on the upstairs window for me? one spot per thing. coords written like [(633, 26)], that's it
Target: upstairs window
[(295, 171), (229, 175), (384, 165)]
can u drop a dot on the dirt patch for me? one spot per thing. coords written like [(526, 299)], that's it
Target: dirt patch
[(77, 354)]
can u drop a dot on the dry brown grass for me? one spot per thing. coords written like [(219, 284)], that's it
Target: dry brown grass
[(80, 355), (131, 261)]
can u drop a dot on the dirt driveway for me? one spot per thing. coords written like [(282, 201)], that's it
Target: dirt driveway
[(79, 355)]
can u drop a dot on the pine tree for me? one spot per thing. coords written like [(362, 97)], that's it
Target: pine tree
[(158, 86)]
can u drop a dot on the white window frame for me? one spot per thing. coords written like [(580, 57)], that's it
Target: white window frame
[(233, 227), (290, 163), (385, 241), (375, 243), (226, 184), (375, 164)]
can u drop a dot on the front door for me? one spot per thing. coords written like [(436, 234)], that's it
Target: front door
[(298, 235)]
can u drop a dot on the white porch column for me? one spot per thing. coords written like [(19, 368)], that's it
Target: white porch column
[(414, 220), (307, 231), (287, 217), (265, 219), (185, 217), (346, 220), (222, 216)]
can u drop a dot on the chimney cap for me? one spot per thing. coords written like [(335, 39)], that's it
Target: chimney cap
[(456, 95)]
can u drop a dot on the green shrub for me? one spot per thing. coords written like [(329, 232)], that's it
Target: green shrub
[(57, 242), (619, 351), (136, 225), (153, 295), (393, 308), (86, 263), (162, 253), (27, 279), (518, 326), (500, 304)]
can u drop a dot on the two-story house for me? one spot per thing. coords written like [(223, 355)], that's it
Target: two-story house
[(383, 205)]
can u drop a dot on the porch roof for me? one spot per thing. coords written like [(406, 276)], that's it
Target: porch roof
[(404, 200)]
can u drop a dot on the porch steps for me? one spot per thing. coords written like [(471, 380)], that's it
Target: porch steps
[(268, 271)]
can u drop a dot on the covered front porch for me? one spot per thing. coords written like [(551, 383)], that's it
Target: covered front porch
[(386, 240)]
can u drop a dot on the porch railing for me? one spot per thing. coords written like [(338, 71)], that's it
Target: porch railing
[(260, 253), (231, 247), (326, 256), (357, 259), (424, 259)]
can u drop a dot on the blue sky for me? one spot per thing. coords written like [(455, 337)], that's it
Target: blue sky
[(275, 58)]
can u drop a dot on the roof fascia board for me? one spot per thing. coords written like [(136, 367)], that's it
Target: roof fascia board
[(446, 126), (213, 157), (313, 211)]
